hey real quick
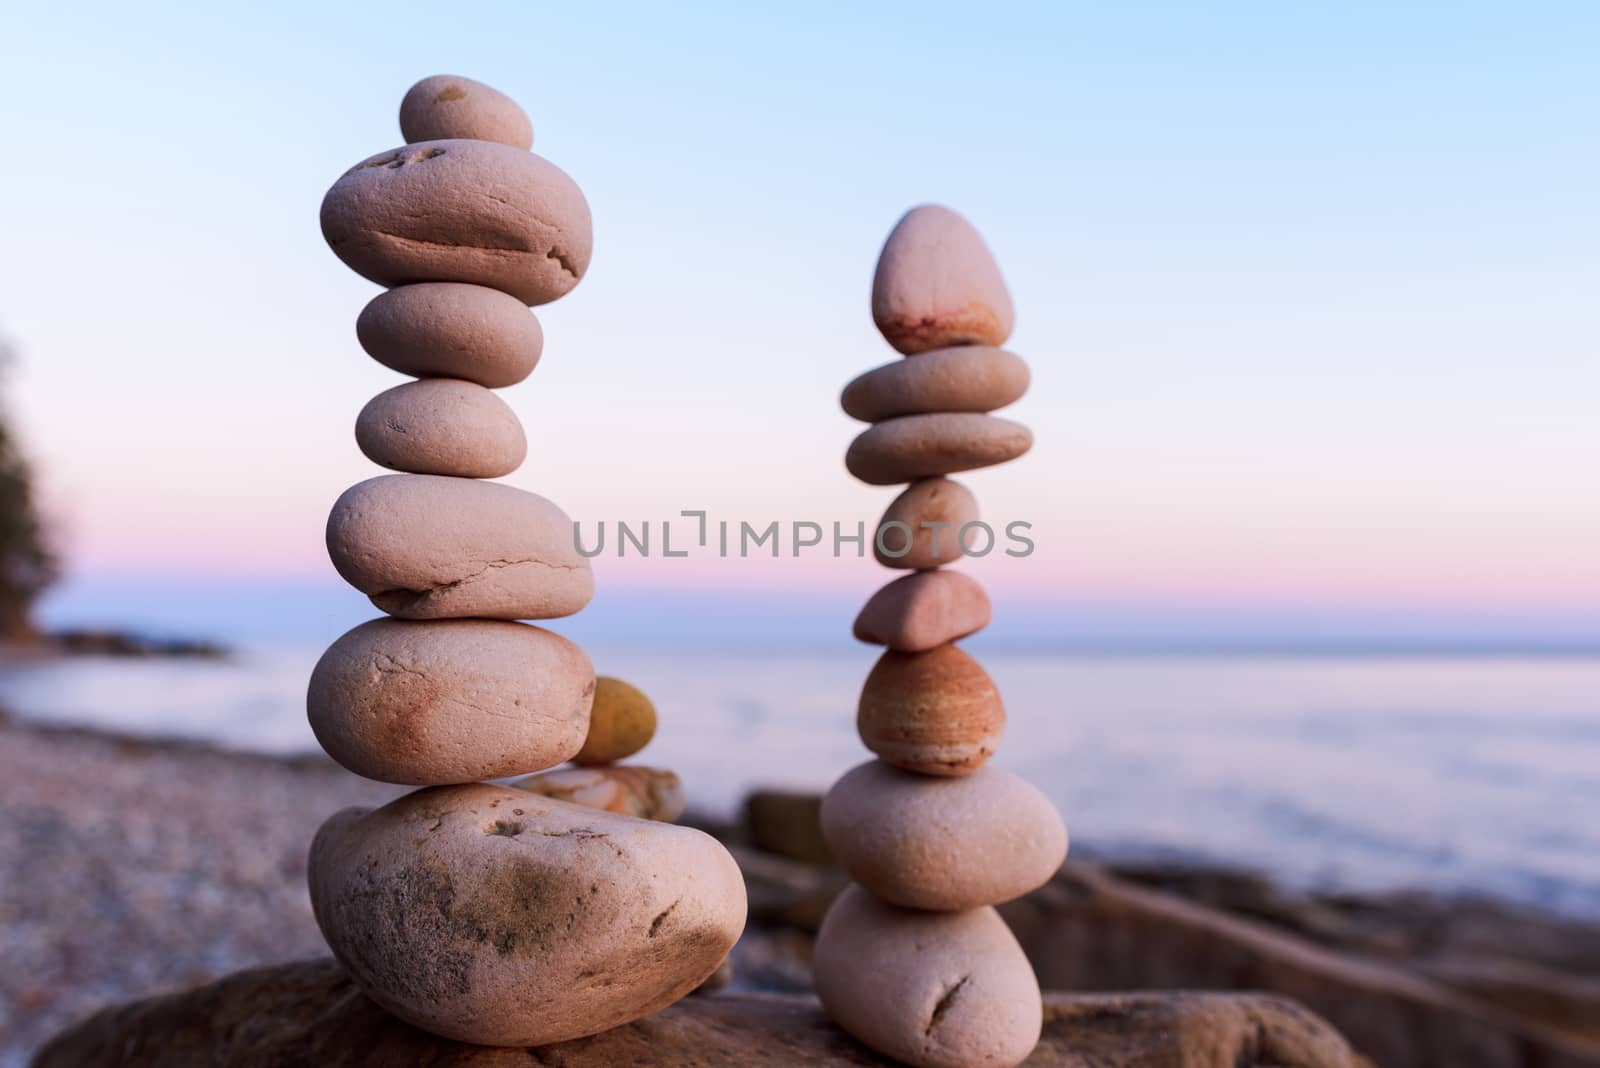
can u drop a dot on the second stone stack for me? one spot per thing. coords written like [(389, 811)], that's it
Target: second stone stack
[(912, 959)]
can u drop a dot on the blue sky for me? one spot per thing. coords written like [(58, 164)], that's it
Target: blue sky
[(1307, 289)]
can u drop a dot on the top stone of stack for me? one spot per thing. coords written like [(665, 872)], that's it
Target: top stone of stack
[(447, 106), (937, 285)]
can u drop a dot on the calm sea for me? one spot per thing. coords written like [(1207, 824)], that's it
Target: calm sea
[(1478, 773)]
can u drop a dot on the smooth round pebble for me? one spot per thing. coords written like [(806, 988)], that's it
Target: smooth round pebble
[(943, 844), (919, 612), (972, 378), (495, 916), (934, 990), (452, 330), (449, 106), (442, 426), (626, 789), (928, 518), (622, 723), (924, 446), (937, 285), (937, 713), (450, 702), (461, 211), (432, 547)]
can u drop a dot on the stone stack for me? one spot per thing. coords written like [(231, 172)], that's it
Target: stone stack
[(481, 913), (912, 958)]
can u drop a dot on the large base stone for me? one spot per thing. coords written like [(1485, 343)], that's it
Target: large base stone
[(309, 1013)]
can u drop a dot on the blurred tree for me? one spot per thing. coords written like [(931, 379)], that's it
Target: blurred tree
[(27, 564)]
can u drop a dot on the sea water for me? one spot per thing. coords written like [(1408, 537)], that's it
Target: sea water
[(1370, 773)]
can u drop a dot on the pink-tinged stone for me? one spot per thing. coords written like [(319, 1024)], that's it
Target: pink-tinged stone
[(452, 330), (461, 211), (925, 610), (928, 989), (943, 843), (926, 446), (945, 506), (448, 106), (432, 547), (495, 916), (937, 285), (442, 426), (451, 701), (972, 378)]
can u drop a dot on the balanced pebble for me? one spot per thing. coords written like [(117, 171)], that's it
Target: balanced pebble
[(936, 713), (923, 611), (448, 106), (452, 330), (430, 547), (626, 789), (927, 522), (943, 844), (491, 915), (937, 285), (972, 378), (442, 426), (461, 211), (923, 446), (450, 702), (933, 990), (622, 722)]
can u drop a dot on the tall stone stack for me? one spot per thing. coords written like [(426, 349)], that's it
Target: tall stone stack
[(479, 912), (912, 958)]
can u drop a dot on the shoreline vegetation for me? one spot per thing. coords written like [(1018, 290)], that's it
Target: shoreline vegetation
[(141, 866)]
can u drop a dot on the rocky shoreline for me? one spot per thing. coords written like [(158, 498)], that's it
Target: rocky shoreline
[(137, 867)]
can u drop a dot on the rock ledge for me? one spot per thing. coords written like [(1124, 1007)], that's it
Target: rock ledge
[(309, 1013)]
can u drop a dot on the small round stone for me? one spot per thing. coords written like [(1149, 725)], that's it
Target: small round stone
[(432, 547), (943, 844), (448, 106), (928, 518), (442, 426), (936, 713), (925, 446), (491, 915), (973, 378), (626, 789), (622, 722), (937, 285), (929, 989), (925, 610), (452, 330), (450, 702), (461, 211)]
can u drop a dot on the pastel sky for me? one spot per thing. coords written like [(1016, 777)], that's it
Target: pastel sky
[(1308, 290)]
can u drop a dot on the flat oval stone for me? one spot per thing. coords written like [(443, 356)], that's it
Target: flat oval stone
[(448, 106), (621, 723), (973, 378), (924, 446), (937, 285), (452, 330), (442, 426), (431, 547), (626, 789), (937, 713), (943, 844), (450, 702), (923, 611), (930, 989), (461, 211), (930, 515), (491, 915)]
